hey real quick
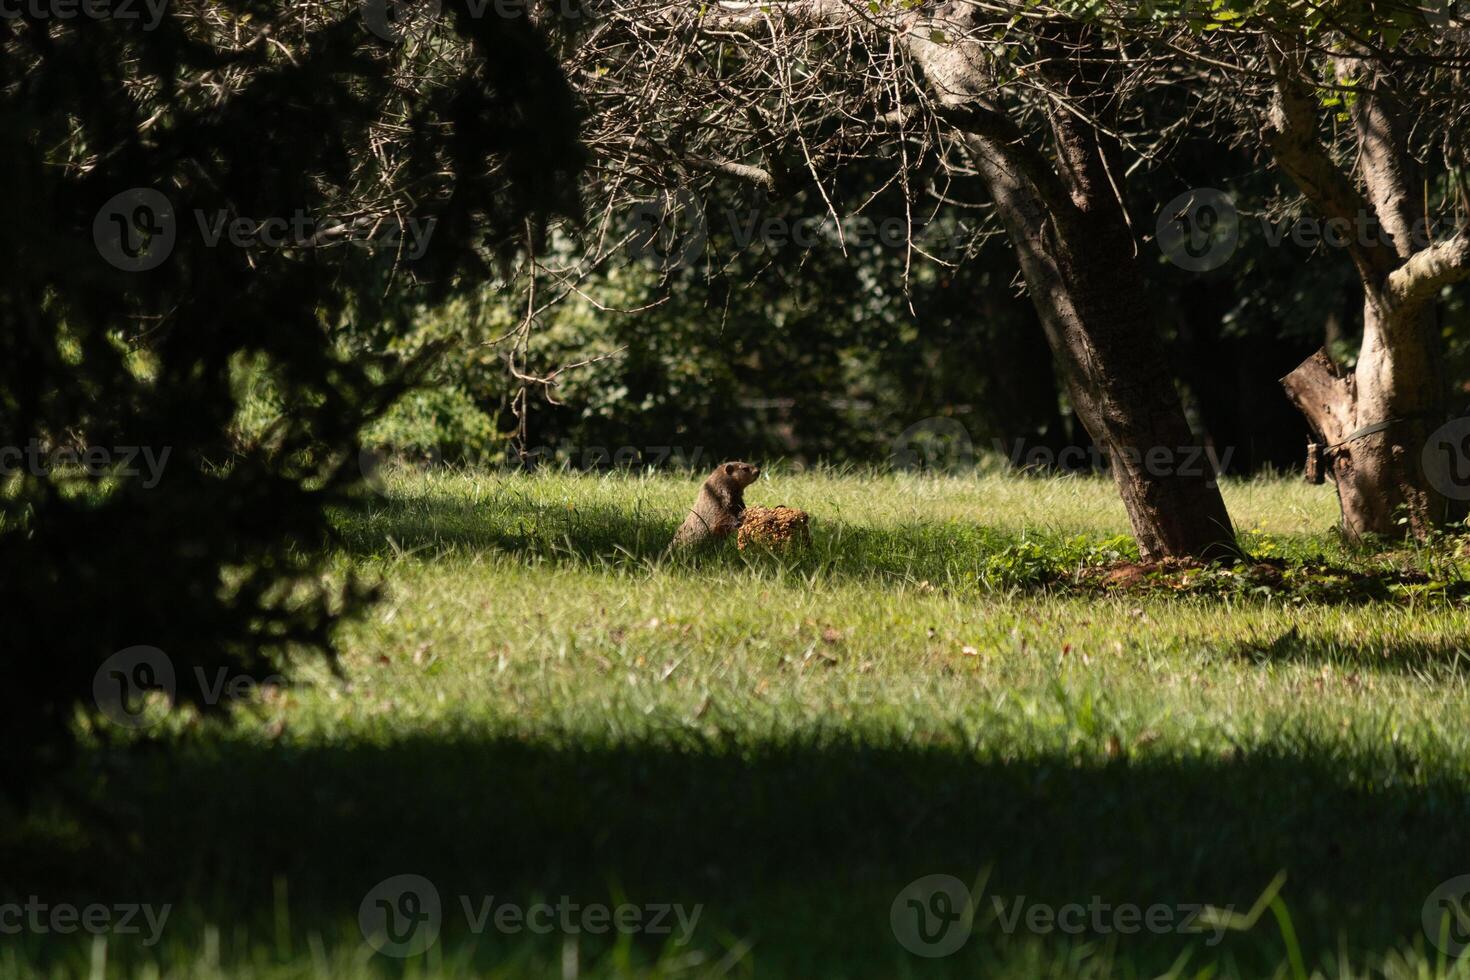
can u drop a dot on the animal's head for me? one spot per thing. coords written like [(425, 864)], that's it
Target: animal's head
[(744, 474)]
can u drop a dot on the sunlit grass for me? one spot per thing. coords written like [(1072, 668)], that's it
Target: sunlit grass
[(545, 702)]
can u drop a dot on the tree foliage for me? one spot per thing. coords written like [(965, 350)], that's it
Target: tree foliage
[(127, 323)]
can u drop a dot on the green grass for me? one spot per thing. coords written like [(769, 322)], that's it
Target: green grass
[(545, 704)]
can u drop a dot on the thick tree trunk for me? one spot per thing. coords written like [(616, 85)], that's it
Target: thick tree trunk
[(1079, 259), (1087, 291), (1374, 423)]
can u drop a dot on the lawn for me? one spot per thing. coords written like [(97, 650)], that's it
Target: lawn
[(753, 755)]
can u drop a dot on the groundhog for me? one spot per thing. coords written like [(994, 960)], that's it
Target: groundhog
[(720, 504)]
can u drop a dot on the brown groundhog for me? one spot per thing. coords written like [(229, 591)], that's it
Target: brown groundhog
[(720, 504)]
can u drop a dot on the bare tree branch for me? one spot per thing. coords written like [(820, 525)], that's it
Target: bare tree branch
[(1425, 273)]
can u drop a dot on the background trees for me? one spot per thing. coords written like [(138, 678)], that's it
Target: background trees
[(1056, 111), (1035, 101)]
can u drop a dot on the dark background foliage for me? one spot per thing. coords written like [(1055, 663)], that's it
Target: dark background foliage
[(239, 109)]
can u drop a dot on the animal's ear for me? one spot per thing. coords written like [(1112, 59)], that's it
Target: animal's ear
[(730, 468)]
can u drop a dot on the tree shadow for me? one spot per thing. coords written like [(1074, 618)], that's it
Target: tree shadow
[(1433, 657), (608, 535), (800, 847), (950, 553), (515, 525)]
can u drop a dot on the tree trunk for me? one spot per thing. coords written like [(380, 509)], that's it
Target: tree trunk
[(1079, 259), (1375, 421), (1087, 292)]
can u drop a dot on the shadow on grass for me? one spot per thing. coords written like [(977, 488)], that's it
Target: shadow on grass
[(951, 554), (1438, 658), (600, 536), (799, 848)]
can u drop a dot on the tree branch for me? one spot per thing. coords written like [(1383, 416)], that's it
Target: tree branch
[(1325, 395), (1420, 279), (1290, 131), (744, 172), (1009, 143), (1389, 172)]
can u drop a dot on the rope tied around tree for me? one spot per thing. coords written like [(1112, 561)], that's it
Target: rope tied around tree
[(1316, 452)]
